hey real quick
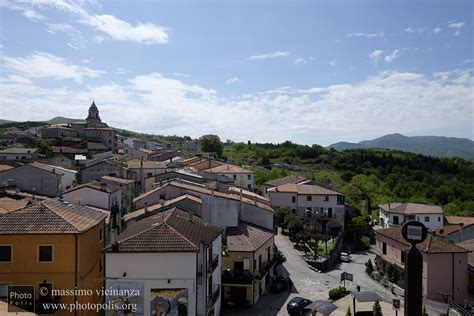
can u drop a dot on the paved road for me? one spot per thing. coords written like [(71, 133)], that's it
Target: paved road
[(311, 284)]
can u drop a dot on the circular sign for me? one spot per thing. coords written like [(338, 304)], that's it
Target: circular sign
[(414, 232)]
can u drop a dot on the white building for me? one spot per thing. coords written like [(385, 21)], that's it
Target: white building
[(174, 259), (94, 194), (396, 214), (307, 200), (242, 177)]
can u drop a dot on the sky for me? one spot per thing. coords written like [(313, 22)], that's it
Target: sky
[(313, 72)]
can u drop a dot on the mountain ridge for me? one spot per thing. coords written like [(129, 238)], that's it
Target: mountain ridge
[(439, 146)]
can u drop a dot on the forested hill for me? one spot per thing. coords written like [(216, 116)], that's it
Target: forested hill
[(372, 176), (426, 145)]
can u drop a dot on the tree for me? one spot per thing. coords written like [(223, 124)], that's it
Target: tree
[(211, 143), (377, 309), (43, 145)]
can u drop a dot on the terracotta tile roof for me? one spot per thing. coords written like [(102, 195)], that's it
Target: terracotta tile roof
[(411, 208), (430, 245), (93, 185), (285, 180), (147, 164), (153, 209), (202, 189), (118, 180), (247, 237), (454, 220), (304, 189), (248, 194), (5, 167), (18, 150), (447, 230), (228, 169), (96, 146), (173, 230), (50, 216), (46, 167), (70, 150), (8, 204)]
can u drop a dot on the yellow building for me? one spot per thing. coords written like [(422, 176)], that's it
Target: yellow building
[(247, 265), (54, 245)]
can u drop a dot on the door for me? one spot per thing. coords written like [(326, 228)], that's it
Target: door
[(330, 212), (238, 295)]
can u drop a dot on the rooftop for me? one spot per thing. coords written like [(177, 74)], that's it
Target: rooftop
[(448, 230), (18, 150), (304, 189), (285, 180), (430, 245), (247, 237), (95, 186), (228, 169), (146, 164), (202, 189), (173, 230), (5, 167), (117, 180), (411, 208), (468, 245), (8, 204), (454, 220), (50, 216), (46, 167)]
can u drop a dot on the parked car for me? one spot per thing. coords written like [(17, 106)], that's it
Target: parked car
[(280, 284), (344, 257), (296, 305)]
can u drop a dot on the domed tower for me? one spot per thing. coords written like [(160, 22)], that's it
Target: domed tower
[(93, 113)]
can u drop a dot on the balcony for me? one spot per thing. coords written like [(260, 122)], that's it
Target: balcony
[(213, 264), (229, 278)]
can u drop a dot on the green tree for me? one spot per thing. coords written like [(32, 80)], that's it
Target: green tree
[(377, 309), (211, 143), (43, 145)]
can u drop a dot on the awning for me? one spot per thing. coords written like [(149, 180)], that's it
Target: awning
[(362, 297), (322, 307)]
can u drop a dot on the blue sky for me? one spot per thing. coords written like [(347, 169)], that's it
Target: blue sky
[(267, 71)]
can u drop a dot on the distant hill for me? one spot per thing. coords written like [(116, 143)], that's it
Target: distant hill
[(5, 121), (439, 146), (61, 120)]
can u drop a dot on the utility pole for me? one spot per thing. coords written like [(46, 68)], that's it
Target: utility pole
[(414, 232)]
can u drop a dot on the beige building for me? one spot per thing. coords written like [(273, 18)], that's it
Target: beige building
[(242, 177)]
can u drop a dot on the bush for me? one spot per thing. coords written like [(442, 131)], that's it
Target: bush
[(365, 242), (337, 293)]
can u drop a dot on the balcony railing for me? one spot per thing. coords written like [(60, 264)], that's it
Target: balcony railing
[(213, 264), (230, 278), (211, 301)]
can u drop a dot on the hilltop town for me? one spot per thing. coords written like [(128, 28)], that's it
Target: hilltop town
[(186, 231)]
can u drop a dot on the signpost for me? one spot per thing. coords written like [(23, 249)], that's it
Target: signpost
[(396, 305), (346, 276), (414, 232)]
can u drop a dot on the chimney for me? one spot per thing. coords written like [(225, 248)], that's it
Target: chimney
[(461, 232), (389, 206)]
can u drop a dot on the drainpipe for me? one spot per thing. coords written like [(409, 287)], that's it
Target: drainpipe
[(75, 271), (452, 274), (253, 278)]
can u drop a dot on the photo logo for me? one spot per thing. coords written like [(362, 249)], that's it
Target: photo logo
[(21, 298)]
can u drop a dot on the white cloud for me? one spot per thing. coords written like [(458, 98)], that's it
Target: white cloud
[(270, 55), (117, 29), (332, 63), (456, 26), (232, 80), (414, 30), (375, 56), (44, 65), (111, 26), (180, 75), (33, 15), (388, 102), (300, 61), (76, 39), (367, 35), (437, 30), (391, 57)]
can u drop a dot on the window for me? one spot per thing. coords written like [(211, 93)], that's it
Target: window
[(101, 235), (149, 174), (326, 198), (45, 253), (309, 198), (395, 220), (249, 187), (384, 248), (249, 177), (293, 210), (402, 258), (309, 213), (5, 253), (293, 199), (234, 176), (439, 219), (427, 218)]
